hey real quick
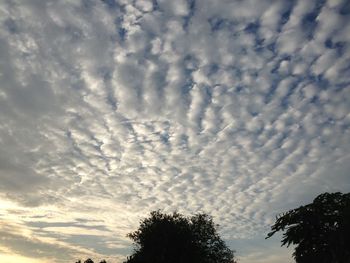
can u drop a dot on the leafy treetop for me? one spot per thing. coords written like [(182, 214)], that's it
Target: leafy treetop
[(174, 238), (320, 230)]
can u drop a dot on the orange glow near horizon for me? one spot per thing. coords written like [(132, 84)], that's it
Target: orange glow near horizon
[(13, 258)]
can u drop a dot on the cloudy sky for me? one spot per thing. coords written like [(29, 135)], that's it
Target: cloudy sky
[(111, 109)]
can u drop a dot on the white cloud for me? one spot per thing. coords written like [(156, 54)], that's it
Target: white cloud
[(233, 108)]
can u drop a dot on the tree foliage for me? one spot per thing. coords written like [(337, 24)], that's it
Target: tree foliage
[(320, 230), (89, 260), (170, 238)]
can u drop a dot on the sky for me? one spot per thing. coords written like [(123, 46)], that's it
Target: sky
[(112, 109)]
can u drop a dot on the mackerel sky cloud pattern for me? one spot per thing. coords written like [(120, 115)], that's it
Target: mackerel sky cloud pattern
[(112, 109)]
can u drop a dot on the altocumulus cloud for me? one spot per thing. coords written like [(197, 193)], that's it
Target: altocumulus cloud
[(111, 109)]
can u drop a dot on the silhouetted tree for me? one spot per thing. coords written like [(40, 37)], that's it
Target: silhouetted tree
[(174, 238), (89, 260), (320, 230)]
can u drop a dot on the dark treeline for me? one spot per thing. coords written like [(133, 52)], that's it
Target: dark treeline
[(320, 232)]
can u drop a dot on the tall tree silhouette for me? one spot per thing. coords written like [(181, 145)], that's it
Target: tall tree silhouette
[(320, 230), (174, 238)]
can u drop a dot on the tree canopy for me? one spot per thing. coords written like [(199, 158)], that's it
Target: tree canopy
[(89, 260), (170, 238), (320, 230)]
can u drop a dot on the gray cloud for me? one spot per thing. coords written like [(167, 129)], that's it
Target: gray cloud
[(33, 247)]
